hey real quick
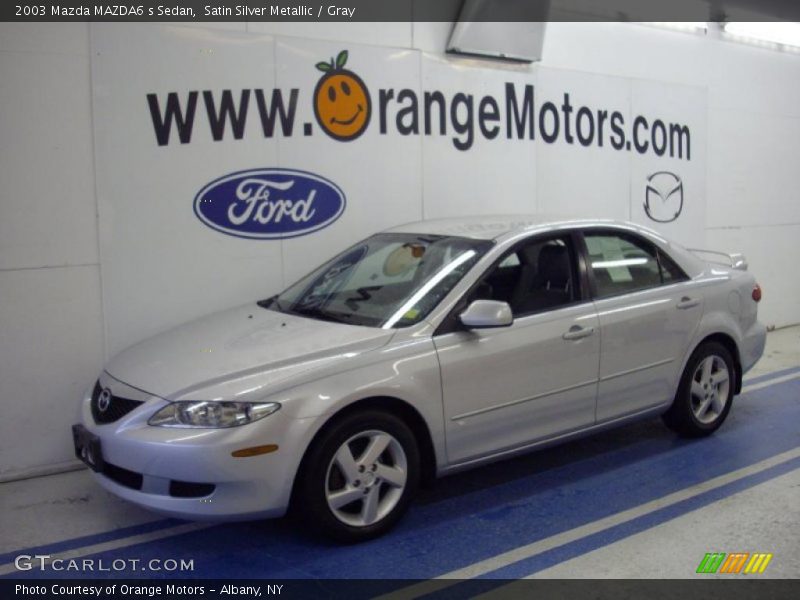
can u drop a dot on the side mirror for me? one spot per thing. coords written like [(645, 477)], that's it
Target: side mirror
[(487, 313)]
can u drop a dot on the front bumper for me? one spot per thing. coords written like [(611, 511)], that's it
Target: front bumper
[(190, 473)]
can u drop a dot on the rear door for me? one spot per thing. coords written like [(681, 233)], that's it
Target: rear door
[(506, 387), (648, 312)]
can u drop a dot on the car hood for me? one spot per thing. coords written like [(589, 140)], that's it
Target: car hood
[(246, 353)]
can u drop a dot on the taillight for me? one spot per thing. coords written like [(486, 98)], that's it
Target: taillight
[(757, 293)]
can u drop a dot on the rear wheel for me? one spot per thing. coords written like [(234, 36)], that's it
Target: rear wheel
[(705, 393), (359, 476)]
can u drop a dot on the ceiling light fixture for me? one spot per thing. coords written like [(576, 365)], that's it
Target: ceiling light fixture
[(786, 33), (681, 25)]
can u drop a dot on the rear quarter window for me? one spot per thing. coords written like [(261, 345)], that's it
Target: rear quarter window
[(621, 263)]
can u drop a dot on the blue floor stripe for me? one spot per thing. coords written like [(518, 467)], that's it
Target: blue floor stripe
[(623, 530), (772, 375), (540, 562), (89, 540), (481, 513)]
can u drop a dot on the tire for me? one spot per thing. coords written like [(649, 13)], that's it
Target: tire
[(705, 393), (358, 477)]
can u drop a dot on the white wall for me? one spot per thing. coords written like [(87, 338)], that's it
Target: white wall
[(51, 317), (53, 334)]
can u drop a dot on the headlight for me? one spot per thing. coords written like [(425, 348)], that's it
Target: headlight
[(212, 414)]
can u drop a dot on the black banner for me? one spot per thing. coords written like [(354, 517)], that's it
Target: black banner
[(396, 10), (147, 589)]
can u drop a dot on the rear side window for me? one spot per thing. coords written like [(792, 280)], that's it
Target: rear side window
[(622, 263)]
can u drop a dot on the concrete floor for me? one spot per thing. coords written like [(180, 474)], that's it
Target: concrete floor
[(782, 352), (634, 503)]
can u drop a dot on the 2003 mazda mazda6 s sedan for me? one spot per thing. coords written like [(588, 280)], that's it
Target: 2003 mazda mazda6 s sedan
[(425, 349)]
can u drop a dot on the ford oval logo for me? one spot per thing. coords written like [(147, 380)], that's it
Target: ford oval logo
[(269, 203)]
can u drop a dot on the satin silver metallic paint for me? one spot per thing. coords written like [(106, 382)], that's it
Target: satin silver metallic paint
[(483, 394)]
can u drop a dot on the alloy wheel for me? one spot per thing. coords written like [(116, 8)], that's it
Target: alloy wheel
[(710, 389), (366, 478)]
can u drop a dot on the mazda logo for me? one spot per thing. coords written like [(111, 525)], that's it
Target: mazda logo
[(663, 196), (104, 401)]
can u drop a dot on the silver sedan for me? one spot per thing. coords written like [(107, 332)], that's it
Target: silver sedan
[(429, 348)]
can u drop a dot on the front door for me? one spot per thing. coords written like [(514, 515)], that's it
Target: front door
[(507, 387)]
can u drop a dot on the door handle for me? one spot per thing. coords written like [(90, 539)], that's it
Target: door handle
[(576, 332), (687, 302)]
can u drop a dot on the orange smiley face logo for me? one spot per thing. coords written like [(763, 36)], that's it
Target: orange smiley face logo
[(341, 100)]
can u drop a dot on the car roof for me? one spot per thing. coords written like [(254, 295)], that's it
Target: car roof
[(494, 227), (507, 227)]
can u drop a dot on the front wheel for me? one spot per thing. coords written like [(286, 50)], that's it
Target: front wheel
[(705, 393), (359, 477)]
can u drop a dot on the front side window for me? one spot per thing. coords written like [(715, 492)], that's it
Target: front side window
[(621, 264), (388, 280), (536, 276)]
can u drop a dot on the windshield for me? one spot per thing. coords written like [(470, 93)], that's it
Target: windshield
[(388, 280)]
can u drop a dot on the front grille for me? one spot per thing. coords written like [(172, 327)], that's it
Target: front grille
[(187, 489), (129, 479), (116, 409)]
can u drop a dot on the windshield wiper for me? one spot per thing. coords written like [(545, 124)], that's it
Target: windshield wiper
[(271, 302), (314, 312), (318, 313)]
